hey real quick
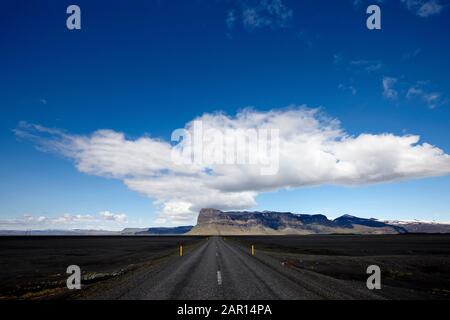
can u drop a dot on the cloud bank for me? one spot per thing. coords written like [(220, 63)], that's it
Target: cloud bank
[(105, 220), (314, 150)]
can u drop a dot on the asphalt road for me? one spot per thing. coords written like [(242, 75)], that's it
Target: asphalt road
[(219, 269)]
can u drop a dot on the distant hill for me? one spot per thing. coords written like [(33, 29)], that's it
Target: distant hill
[(165, 231), (132, 231), (216, 222), (417, 226)]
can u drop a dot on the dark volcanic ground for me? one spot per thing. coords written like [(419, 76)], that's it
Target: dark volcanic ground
[(419, 263), (36, 266), (293, 267)]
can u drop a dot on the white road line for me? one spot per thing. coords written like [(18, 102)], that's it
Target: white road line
[(219, 278)]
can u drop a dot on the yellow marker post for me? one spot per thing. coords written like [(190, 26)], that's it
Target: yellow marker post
[(253, 250), (181, 250)]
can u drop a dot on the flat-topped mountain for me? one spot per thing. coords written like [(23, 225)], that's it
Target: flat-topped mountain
[(216, 222)]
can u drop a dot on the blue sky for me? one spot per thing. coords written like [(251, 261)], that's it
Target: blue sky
[(145, 68)]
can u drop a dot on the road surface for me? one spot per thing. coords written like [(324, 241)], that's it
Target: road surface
[(219, 269)]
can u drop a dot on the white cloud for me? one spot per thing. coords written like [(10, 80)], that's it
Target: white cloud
[(120, 217), (105, 220), (260, 14), (358, 65), (388, 88), (314, 150), (411, 54), (367, 65), (349, 88), (432, 99), (230, 20), (337, 58), (420, 90), (423, 8)]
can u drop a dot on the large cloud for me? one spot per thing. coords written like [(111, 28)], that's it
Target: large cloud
[(313, 150)]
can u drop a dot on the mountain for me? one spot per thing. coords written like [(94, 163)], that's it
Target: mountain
[(165, 231), (417, 226), (216, 222)]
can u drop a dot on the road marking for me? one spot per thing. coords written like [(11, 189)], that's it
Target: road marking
[(217, 254), (219, 278)]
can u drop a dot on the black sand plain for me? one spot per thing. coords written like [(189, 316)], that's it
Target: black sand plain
[(419, 263), (34, 267)]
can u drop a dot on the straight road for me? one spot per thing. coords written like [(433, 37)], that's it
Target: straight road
[(220, 269)]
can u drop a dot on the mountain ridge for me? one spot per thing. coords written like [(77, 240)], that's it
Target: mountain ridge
[(211, 221)]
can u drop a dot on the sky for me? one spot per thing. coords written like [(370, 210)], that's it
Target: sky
[(87, 115)]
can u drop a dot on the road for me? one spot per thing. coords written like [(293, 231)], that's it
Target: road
[(220, 269)]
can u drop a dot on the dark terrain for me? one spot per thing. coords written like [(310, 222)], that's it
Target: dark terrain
[(413, 266), (416, 262), (36, 266)]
